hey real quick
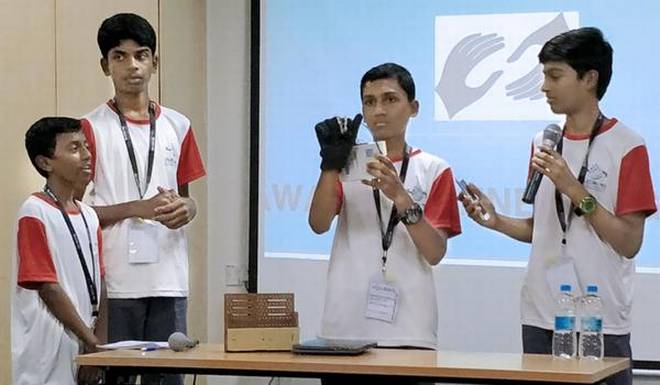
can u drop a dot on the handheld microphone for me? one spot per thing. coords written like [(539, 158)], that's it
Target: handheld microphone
[(551, 136), (180, 342)]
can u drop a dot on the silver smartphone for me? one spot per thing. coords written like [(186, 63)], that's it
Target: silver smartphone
[(464, 189)]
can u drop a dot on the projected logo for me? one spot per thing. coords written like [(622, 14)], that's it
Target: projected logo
[(486, 66)]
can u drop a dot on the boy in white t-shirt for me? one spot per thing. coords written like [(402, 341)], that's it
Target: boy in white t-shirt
[(144, 156), (591, 205), (391, 229), (58, 269)]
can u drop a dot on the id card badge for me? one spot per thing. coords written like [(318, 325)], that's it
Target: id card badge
[(143, 241), (382, 300)]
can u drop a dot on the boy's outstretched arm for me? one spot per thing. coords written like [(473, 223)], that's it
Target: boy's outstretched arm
[(623, 232), (516, 228), (431, 242), (60, 306), (336, 137), (325, 204)]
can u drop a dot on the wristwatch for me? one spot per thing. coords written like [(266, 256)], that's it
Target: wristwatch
[(412, 214), (587, 206)]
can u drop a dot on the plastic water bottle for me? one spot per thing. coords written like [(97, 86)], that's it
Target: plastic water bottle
[(591, 321), (564, 335)]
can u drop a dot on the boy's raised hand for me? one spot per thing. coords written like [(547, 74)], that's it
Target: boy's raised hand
[(476, 208), (385, 178), (336, 137)]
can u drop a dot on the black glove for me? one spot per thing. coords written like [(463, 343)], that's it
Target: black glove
[(336, 137)]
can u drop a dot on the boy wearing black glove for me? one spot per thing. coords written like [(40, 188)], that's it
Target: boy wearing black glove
[(336, 137), (391, 229)]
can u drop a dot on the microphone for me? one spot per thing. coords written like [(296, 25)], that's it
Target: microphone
[(551, 136), (180, 342)]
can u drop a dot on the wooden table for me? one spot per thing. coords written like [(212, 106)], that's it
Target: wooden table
[(377, 365)]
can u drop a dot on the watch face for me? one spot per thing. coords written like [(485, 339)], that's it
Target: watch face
[(588, 205), (412, 215)]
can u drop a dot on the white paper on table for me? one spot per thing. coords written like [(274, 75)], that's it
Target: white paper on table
[(132, 344)]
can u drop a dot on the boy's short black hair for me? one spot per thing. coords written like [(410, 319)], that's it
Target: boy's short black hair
[(583, 49), (41, 137), (390, 71), (125, 26)]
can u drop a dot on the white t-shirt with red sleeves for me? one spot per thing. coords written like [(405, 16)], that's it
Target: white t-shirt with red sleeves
[(356, 258), (43, 351), (618, 177), (176, 162)]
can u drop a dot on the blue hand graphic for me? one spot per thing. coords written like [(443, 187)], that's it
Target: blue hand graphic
[(470, 51), (529, 85)]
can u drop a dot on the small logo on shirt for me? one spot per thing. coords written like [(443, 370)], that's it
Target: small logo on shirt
[(596, 179), (170, 155), (417, 194)]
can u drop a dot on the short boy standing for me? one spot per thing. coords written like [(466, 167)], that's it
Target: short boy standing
[(58, 266)]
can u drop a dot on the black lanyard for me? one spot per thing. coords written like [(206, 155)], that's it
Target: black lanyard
[(386, 235), (131, 150), (89, 280), (564, 221)]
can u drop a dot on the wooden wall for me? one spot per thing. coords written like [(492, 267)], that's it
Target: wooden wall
[(49, 65)]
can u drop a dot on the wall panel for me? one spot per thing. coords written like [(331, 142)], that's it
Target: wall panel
[(27, 81), (183, 87)]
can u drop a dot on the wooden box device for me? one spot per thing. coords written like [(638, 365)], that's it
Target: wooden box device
[(255, 322)]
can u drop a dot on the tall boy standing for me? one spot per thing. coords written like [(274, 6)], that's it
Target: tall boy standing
[(589, 212), (144, 156)]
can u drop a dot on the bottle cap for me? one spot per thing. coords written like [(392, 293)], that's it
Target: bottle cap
[(592, 289), (565, 287)]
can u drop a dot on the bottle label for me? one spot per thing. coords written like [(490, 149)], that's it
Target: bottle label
[(565, 322), (592, 324)]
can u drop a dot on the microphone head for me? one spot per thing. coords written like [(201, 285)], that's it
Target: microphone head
[(180, 342), (552, 135)]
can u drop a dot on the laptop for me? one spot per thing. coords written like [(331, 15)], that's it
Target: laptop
[(334, 347)]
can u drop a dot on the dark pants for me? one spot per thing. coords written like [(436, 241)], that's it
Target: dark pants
[(539, 341), (148, 319)]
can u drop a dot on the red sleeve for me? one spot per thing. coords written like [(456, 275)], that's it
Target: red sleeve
[(35, 263), (190, 161), (635, 187), (91, 142), (340, 195), (441, 209), (99, 237)]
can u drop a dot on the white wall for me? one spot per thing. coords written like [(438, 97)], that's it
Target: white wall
[(228, 75), (228, 148)]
